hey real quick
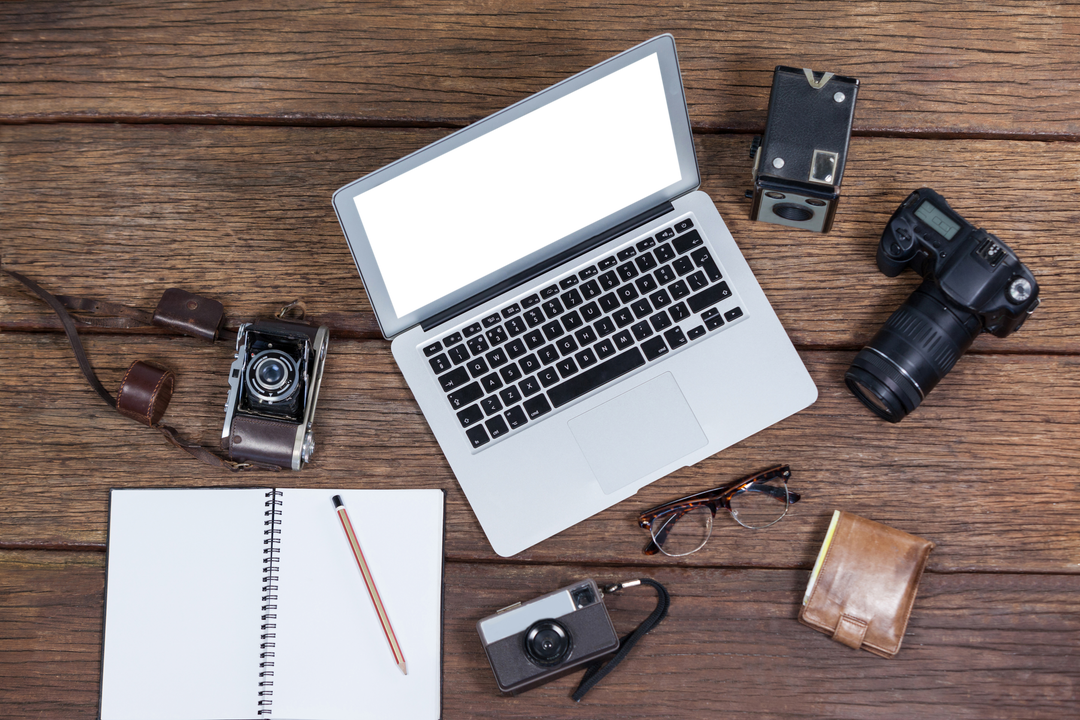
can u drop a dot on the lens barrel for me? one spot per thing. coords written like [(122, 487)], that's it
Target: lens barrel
[(914, 349), (547, 643)]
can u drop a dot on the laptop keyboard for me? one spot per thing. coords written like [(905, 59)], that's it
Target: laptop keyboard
[(518, 365)]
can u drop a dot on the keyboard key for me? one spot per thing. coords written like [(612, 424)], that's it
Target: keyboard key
[(709, 297), (604, 326), (529, 364), (627, 293), (607, 262), (623, 340), (664, 253), (566, 345), (664, 274), (641, 308), (509, 312), (626, 253), (572, 321), (515, 416), (714, 322), (470, 416), (515, 326), (686, 241), (453, 379), (641, 330), (466, 395), (588, 272), (440, 363), (609, 302), (510, 373), (566, 367), (646, 262), (645, 244), (709, 313), (534, 339), (477, 344), (552, 307), (432, 349), (548, 354), (646, 284), (472, 330), (496, 357), (627, 271), (458, 354), (696, 332), (608, 280), (510, 395), (679, 312), (604, 349), (548, 377), (515, 348), (654, 348), (553, 330), (590, 311), (622, 317), (534, 317), (490, 383), (477, 367), (594, 377), (549, 291), (536, 407), (660, 299), (572, 298), (659, 321), (585, 336), (683, 266), (675, 337), (491, 405), (568, 282), (491, 320), (684, 225), (529, 386), (477, 436), (496, 335), (665, 234), (697, 281), (591, 289), (530, 301), (497, 427), (733, 314), (452, 339), (679, 289), (586, 358)]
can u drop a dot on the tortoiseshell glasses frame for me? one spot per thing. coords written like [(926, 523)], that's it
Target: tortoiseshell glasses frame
[(669, 513)]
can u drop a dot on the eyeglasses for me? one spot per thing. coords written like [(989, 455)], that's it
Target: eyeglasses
[(683, 526)]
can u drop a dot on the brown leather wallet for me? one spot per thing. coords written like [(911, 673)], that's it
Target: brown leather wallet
[(864, 583)]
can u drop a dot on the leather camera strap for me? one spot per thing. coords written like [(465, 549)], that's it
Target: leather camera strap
[(598, 670), (146, 388)]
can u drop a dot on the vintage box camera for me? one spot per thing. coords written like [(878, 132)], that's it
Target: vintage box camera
[(273, 389), (532, 643), (799, 162), (972, 283)]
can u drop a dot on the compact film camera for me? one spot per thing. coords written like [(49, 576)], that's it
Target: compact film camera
[(532, 643), (972, 283), (273, 388), (799, 162)]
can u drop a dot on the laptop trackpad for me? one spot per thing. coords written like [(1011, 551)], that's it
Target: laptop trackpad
[(638, 432)]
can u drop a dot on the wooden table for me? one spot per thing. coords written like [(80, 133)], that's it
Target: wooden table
[(150, 144)]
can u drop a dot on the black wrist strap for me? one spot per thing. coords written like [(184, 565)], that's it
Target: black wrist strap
[(599, 669)]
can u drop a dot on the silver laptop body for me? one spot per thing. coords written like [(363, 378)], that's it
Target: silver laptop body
[(571, 314)]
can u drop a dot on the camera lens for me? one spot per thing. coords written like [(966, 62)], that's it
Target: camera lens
[(792, 212), (272, 376), (915, 348), (271, 373), (547, 643)]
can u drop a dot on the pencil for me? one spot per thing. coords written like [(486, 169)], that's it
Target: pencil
[(369, 581)]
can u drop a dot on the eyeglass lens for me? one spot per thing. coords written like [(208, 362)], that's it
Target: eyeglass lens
[(683, 533), (760, 504)]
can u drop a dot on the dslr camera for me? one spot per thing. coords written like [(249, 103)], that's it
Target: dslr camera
[(532, 643), (972, 283), (799, 162), (273, 388)]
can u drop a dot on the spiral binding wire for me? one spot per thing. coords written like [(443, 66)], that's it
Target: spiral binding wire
[(271, 557)]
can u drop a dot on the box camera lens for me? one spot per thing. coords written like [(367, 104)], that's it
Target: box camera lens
[(547, 643)]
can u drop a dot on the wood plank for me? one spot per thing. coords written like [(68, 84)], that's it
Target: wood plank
[(950, 67), (243, 215), (985, 468), (978, 646)]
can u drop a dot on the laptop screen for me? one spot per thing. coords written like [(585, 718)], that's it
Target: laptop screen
[(486, 208)]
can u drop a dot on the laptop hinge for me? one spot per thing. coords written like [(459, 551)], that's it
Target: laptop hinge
[(538, 270)]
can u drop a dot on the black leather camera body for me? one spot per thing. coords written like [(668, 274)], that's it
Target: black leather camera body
[(799, 161), (972, 283), (273, 389), (532, 643)]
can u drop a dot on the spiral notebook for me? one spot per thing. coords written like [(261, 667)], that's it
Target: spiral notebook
[(224, 604)]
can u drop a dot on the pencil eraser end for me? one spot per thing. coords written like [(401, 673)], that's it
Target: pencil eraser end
[(337, 501)]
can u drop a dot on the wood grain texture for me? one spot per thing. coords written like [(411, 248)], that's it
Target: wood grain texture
[(982, 469), (243, 215), (965, 654), (950, 67)]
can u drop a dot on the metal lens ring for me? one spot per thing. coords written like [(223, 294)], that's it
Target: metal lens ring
[(272, 376)]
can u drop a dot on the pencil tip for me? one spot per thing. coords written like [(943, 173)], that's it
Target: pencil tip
[(402, 666)]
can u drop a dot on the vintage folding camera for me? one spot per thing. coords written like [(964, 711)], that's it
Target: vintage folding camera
[(973, 283), (799, 162), (532, 643), (273, 389)]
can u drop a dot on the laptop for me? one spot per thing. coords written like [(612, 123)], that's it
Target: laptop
[(570, 312)]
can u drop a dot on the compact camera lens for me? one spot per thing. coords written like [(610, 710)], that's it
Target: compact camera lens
[(547, 643), (916, 347), (792, 212)]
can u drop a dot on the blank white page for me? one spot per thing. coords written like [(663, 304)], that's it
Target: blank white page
[(332, 661), (182, 604)]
